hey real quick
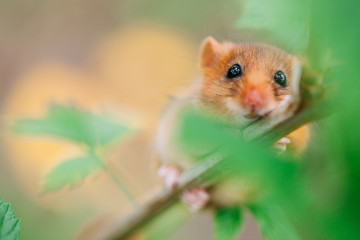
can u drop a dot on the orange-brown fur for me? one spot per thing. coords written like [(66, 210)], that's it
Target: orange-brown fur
[(299, 139), (259, 63), (234, 97)]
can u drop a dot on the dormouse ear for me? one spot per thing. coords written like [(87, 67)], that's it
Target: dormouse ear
[(210, 52)]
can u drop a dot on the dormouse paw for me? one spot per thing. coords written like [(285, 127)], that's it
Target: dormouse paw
[(281, 145), (196, 198), (170, 175)]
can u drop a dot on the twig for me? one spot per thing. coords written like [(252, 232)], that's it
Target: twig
[(162, 201), (159, 202), (122, 187), (128, 195)]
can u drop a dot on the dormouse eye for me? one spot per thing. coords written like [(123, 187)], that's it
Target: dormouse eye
[(234, 71), (280, 78)]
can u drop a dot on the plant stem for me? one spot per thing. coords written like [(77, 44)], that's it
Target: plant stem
[(268, 129), (122, 187), (164, 199), (116, 180), (159, 203)]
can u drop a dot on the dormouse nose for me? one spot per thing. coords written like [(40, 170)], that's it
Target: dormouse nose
[(253, 97)]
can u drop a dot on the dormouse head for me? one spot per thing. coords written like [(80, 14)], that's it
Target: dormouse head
[(246, 80)]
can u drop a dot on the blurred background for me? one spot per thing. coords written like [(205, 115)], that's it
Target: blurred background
[(123, 57), (127, 58)]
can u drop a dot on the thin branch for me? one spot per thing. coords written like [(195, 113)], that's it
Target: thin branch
[(159, 203), (122, 187), (128, 195), (306, 113)]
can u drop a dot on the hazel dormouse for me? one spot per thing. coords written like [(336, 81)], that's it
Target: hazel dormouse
[(241, 81)]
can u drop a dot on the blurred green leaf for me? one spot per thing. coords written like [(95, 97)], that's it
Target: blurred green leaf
[(9, 224), (70, 123), (273, 180), (71, 172), (285, 21), (274, 223), (173, 218), (199, 134), (227, 222)]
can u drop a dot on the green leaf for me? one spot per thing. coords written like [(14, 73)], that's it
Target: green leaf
[(173, 218), (9, 224), (274, 223), (227, 222), (267, 176), (71, 172), (70, 123), (282, 20)]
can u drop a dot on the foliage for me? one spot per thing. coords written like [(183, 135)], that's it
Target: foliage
[(294, 201), (72, 124), (276, 190), (227, 222), (273, 222), (315, 197), (174, 217), (71, 172), (95, 132), (285, 21), (9, 224), (322, 32)]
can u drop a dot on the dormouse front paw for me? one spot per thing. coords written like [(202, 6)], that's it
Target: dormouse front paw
[(196, 198), (281, 145), (170, 175)]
